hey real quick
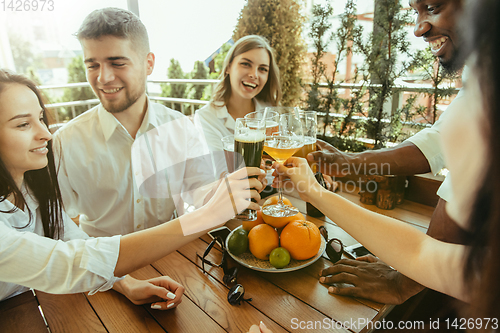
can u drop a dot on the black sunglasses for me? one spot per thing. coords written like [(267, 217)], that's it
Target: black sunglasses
[(237, 292), (334, 246)]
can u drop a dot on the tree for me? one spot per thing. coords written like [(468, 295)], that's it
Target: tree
[(23, 54), (429, 64), (174, 90), (76, 74), (219, 60), (200, 73), (387, 41), (328, 100), (280, 21)]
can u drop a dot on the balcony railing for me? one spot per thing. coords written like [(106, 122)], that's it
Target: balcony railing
[(397, 96)]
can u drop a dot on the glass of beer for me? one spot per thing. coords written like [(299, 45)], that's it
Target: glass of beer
[(281, 145), (228, 147), (249, 138), (309, 121), (272, 118)]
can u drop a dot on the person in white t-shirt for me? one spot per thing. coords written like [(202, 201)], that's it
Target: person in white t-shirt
[(42, 248), (249, 82)]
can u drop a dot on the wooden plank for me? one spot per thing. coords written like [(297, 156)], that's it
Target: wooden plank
[(118, 314), (69, 313), (181, 318), (211, 296), (20, 314), (304, 285), (275, 302)]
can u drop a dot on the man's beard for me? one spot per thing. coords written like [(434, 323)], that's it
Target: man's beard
[(117, 107), (454, 64)]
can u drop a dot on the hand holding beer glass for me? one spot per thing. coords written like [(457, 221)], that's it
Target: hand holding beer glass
[(249, 138), (281, 145)]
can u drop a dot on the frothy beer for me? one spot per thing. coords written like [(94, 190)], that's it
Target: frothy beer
[(248, 146)]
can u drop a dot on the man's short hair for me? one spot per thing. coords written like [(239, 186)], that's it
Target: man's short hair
[(116, 22)]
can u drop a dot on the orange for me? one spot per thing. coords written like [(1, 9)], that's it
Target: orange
[(248, 225), (262, 239), (302, 239), (279, 222), (274, 200)]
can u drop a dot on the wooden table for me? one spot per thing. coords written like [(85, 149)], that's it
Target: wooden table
[(293, 301)]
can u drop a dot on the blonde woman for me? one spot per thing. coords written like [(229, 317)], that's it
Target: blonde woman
[(249, 82)]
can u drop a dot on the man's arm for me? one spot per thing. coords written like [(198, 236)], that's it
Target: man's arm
[(404, 159)]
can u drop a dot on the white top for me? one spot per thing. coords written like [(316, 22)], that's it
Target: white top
[(76, 263), (429, 142), (216, 123), (117, 189)]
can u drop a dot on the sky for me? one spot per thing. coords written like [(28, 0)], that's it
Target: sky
[(186, 30)]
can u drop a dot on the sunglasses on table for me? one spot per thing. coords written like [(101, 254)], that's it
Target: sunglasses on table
[(334, 246), (237, 291)]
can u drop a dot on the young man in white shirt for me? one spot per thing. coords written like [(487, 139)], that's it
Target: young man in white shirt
[(101, 153)]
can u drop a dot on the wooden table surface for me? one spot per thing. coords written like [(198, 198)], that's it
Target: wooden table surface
[(285, 302)]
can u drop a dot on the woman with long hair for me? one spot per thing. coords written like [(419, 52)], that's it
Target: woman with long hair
[(471, 143), (41, 248), (249, 82)]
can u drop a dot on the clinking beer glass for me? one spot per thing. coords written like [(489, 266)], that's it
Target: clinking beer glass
[(249, 138), (309, 121)]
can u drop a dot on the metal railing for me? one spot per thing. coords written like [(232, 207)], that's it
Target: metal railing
[(396, 102)]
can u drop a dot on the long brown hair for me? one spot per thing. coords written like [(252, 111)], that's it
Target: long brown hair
[(482, 270), (42, 183), (271, 93)]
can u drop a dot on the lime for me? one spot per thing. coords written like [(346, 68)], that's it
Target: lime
[(279, 257), (238, 242)]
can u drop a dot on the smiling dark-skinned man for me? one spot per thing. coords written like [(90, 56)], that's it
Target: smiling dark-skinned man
[(371, 278)]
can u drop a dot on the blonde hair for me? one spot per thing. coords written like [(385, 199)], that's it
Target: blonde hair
[(271, 93)]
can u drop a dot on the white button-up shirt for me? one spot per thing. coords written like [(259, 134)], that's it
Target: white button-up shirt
[(76, 263), (98, 177)]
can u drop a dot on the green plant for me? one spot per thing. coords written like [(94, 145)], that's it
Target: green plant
[(174, 90), (381, 51), (280, 21), (195, 91), (328, 100), (441, 81), (76, 74)]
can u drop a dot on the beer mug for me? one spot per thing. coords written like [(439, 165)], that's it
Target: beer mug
[(249, 138), (228, 147), (309, 121)]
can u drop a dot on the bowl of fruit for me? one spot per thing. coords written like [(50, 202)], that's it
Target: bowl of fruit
[(271, 244)]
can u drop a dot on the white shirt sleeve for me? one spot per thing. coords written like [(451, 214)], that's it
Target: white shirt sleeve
[(69, 196), (212, 127), (56, 266), (429, 142)]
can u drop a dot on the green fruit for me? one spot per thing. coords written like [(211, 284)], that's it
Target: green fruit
[(238, 242), (279, 257)]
